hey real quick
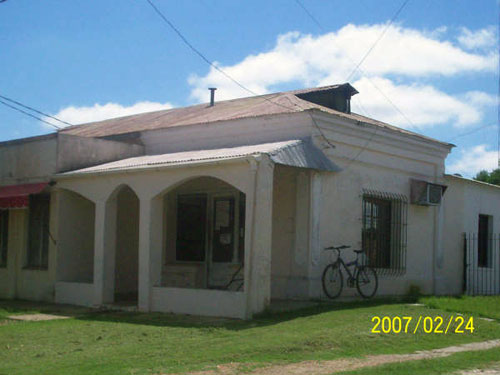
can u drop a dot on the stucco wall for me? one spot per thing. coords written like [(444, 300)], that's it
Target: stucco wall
[(227, 133), (22, 282), (289, 261), (382, 161), (463, 202), (29, 160), (75, 152), (75, 258)]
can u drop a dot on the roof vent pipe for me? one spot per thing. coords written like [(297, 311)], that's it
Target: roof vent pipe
[(212, 95)]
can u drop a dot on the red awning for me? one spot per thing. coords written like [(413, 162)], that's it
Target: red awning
[(17, 196)]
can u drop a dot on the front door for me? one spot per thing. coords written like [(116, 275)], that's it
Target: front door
[(222, 250)]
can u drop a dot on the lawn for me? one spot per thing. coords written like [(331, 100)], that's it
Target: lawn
[(134, 343), (485, 306)]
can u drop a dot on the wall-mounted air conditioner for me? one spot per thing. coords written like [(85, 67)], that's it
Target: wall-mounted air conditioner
[(426, 193)]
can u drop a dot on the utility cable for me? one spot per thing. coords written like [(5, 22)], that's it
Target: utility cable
[(29, 114), (378, 39), (34, 110), (204, 58)]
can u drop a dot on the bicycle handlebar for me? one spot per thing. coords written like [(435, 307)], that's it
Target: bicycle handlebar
[(341, 247)]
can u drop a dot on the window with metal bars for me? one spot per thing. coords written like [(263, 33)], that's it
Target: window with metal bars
[(384, 231), (38, 239)]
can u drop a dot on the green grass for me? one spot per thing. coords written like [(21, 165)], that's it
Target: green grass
[(135, 343), (448, 365), (487, 306)]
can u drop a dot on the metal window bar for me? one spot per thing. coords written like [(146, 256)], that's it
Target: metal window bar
[(481, 278), (384, 231)]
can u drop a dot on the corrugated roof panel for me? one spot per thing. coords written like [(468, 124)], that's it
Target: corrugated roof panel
[(295, 153), (254, 106)]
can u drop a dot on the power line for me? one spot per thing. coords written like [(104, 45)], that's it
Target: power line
[(204, 58), (28, 114), (378, 39), (472, 131), (359, 68), (195, 50), (34, 110), (311, 16)]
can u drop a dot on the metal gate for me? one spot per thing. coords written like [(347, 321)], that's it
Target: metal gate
[(481, 264)]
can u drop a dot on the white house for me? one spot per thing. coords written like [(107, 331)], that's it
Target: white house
[(216, 209)]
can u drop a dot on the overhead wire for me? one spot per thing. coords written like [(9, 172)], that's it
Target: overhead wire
[(34, 110), (29, 114), (204, 58), (400, 9), (475, 130), (358, 67), (315, 20)]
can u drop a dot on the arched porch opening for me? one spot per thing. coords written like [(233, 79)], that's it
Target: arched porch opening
[(126, 257), (203, 235), (75, 256)]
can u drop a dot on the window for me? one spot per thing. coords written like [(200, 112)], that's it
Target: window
[(4, 236), (211, 224), (38, 235), (384, 230), (483, 241), (191, 227)]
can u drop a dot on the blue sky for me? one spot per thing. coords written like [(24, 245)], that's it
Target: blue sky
[(88, 60)]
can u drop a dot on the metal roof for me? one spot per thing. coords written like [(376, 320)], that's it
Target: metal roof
[(255, 106), (295, 153)]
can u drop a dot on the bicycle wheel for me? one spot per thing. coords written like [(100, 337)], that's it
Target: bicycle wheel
[(366, 282), (332, 280)]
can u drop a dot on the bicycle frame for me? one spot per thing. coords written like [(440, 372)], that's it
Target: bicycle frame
[(355, 263)]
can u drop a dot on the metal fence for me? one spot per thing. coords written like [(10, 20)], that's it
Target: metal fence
[(481, 264)]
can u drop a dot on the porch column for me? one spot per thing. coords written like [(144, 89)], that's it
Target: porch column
[(104, 251), (259, 285), (150, 249), (314, 235)]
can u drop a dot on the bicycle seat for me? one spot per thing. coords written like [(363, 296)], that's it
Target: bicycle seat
[(358, 251)]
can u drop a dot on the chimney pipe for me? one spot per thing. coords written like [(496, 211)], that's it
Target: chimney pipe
[(212, 95)]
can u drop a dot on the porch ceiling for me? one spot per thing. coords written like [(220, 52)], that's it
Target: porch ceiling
[(295, 153)]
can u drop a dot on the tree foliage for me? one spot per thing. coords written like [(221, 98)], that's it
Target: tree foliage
[(492, 177)]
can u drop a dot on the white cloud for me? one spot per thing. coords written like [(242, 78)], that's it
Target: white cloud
[(424, 105), (329, 58), (474, 159), (81, 115), (482, 38)]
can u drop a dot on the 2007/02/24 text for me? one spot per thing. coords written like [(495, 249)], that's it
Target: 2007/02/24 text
[(408, 324)]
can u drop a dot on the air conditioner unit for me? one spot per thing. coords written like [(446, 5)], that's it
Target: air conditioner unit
[(426, 193)]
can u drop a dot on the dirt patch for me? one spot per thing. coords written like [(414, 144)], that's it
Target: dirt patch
[(493, 370), (37, 317), (338, 365)]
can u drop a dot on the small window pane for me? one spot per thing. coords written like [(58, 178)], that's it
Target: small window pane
[(191, 227), (223, 234)]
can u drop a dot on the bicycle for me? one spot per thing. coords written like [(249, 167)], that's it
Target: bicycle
[(364, 277)]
